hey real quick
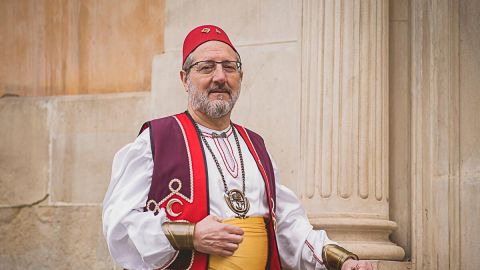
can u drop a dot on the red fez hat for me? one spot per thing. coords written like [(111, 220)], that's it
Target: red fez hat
[(202, 34)]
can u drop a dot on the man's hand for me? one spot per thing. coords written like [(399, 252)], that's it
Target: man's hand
[(351, 264), (213, 237)]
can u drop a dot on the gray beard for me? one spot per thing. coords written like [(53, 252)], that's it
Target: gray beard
[(212, 108)]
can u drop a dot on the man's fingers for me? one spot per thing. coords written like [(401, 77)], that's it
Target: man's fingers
[(211, 236), (361, 265), (366, 265), (235, 238), (227, 250), (233, 229), (230, 247), (225, 253)]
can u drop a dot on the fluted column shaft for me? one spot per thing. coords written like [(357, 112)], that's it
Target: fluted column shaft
[(344, 141)]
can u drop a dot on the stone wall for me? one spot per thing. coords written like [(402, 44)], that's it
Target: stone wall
[(55, 162), (78, 46)]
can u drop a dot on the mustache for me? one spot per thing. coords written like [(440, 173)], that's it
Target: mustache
[(219, 89)]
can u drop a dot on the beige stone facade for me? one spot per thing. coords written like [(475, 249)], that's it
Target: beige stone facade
[(78, 46), (369, 108)]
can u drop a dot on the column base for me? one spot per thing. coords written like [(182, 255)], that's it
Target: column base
[(391, 265), (368, 238)]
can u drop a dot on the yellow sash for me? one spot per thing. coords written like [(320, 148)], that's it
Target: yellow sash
[(252, 253)]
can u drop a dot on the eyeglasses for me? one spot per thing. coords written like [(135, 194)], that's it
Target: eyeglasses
[(208, 67)]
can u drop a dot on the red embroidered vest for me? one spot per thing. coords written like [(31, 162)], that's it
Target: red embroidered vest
[(180, 181)]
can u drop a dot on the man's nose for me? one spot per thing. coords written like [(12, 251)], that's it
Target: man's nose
[(219, 74)]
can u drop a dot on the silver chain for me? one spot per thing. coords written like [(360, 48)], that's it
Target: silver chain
[(216, 160)]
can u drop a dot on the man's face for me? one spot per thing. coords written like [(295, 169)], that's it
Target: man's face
[(213, 94)]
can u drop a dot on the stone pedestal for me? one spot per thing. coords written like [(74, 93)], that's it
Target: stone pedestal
[(391, 265), (344, 140)]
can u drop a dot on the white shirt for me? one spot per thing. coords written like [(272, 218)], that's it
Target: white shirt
[(135, 238)]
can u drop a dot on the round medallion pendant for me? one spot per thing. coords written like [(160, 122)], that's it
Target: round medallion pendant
[(237, 202)]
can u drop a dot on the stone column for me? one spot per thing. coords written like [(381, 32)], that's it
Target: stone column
[(344, 140)]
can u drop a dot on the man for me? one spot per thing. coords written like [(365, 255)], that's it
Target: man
[(195, 191)]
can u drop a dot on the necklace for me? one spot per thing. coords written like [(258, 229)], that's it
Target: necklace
[(235, 199)]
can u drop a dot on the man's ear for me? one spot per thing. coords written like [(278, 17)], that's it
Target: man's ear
[(183, 78)]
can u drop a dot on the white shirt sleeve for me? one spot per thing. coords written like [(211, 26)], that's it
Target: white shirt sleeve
[(299, 245), (135, 238)]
